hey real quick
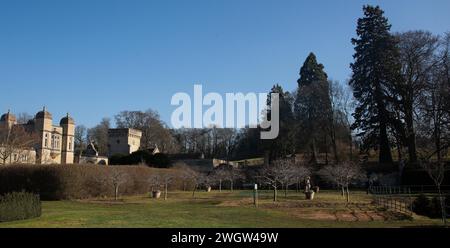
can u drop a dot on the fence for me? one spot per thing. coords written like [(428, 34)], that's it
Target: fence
[(389, 190), (403, 205), (400, 198), (409, 189)]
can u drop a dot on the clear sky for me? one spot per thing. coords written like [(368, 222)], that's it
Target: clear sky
[(94, 58)]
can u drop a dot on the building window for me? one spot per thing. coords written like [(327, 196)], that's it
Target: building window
[(70, 144)]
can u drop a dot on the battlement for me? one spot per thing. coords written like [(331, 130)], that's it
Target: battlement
[(123, 140)]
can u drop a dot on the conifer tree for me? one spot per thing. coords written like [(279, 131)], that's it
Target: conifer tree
[(312, 105), (284, 144), (376, 71)]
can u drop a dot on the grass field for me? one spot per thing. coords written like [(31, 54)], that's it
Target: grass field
[(226, 209)]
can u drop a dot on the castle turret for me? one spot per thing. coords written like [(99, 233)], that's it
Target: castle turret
[(43, 127), (8, 119), (68, 137)]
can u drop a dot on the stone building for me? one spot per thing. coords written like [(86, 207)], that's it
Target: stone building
[(55, 143), (123, 140), (91, 156)]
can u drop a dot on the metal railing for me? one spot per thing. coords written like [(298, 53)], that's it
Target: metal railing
[(401, 198), (411, 189), (399, 204)]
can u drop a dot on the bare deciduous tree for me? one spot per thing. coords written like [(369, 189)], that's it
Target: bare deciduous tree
[(116, 178), (80, 140), (436, 171), (23, 118), (99, 135), (185, 175), (300, 173), (291, 173), (220, 174), (417, 50), (342, 175), (275, 174), (155, 182), (189, 175), (232, 175), (287, 172), (154, 131), (15, 140), (167, 179)]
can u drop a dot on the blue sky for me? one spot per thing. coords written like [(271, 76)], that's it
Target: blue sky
[(94, 58)]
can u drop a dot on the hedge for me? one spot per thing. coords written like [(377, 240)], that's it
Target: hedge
[(159, 160), (423, 205), (57, 182), (19, 206)]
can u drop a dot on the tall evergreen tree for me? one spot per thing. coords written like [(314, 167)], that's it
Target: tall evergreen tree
[(312, 106), (284, 144), (376, 70)]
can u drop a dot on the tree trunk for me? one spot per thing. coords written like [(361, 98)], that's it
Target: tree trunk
[(411, 135), (412, 152), (437, 142), (165, 192), (220, 185), (399, 149), (231, 185), (195, 189), (442, 203), (116, 192), (275, 193), (348, 194), (342, 191), (385, 156), (285, 190)]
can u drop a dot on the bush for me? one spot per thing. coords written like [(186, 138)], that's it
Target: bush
[(158, 160), (19, 206), (117, 159), (422, 205), (57, 182), (435, 208)]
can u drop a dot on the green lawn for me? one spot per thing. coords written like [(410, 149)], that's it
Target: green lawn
[(224, 209)]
